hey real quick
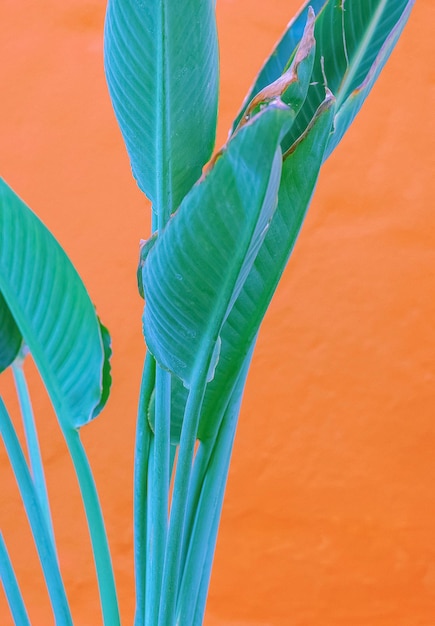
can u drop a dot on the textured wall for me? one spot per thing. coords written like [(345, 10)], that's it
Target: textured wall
[(330, 511)]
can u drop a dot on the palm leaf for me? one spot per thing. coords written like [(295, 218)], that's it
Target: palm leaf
[(161, 64), (53, 312)]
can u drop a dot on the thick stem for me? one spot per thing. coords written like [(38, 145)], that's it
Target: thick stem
[(158, 494), (179, 502), (202, 540), (141, 461)]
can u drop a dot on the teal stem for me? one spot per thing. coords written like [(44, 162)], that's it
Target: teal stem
[(199, 470), (172, 454), (97, 531), (203, 455), (215, 462), (11, 587), (141, 461), (179, 501), (159, 493), (198, 617), (36, 466), (37, 520)]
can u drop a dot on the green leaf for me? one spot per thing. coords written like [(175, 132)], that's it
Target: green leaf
[(161, 61), (349, 105), (299, 176), (41, 534), (53, 312), (10, 336), (197, 267), (353, 42)]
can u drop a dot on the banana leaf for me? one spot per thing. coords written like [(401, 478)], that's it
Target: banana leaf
[(161, 61), (51, 309)]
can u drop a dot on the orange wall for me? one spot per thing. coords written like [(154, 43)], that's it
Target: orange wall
[(329, 518)]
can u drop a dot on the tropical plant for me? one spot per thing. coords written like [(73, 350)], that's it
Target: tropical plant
[(223, 228)]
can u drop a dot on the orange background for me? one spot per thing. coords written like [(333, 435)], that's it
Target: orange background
[(329, 518)]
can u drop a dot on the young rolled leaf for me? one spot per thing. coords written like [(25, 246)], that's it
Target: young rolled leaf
[(161, 61), (10, 336), (353, 42), (53, 312), (278, 61), (292, 85), (197, 267)]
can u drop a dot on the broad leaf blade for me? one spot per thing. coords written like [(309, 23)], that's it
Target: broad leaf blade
[(161, 63), (299, 176), (53, 312), (10, 336), (198, 265)]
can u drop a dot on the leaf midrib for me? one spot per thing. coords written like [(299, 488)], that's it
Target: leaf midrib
[(164, 184), (359, 53)]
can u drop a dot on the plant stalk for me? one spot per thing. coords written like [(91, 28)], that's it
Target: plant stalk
[(37, 520), (141, 462), (11, 587), (97, 531), (33, 448)]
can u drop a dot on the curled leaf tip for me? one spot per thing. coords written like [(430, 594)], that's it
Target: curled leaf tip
[(276, 91), (307, 41)]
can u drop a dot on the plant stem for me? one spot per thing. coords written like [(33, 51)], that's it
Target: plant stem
[(179, 501), (215, 462), (97, 531), (37, 520), (36, 466), (11, 587), (141, 461), (159, 493)]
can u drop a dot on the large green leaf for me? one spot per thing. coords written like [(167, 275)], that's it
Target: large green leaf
[(10, 336), (353, 42), (291, 88), (53, 312), (196, 269), (299, 175), (161, 62)]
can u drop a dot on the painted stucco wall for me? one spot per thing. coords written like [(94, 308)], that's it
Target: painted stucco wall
[(329, 517)]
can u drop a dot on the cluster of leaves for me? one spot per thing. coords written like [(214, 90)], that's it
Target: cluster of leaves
[(222, 233)]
